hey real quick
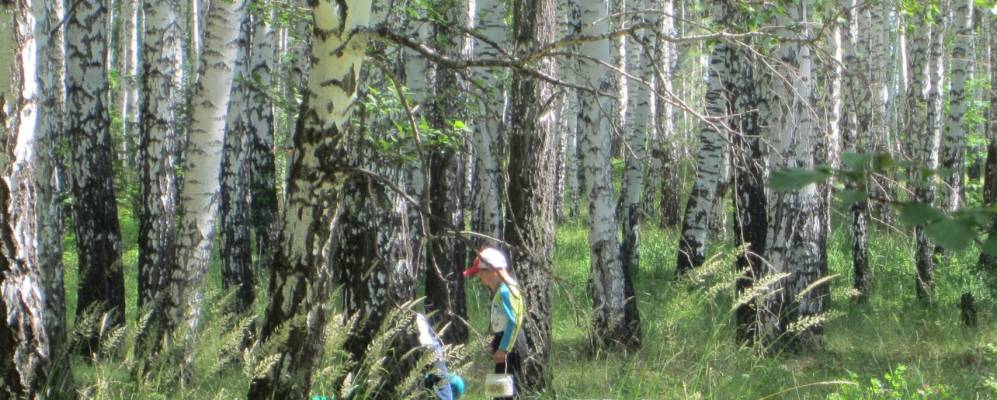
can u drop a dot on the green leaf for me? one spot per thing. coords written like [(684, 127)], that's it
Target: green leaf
[(919, 213), (849, 197), (796, 178), (950, 233), (855, 162)]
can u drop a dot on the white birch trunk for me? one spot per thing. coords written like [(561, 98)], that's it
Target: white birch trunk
[(710, 162), (199, 196), (570, 25), (607, 284), (488, 193), (639, 124), (130, 42), (98, 237), (301, 285), (794, 225), (262, 128), (954, 141), (32, 286), (860, 107)]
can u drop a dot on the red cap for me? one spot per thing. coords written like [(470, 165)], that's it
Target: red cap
[(475, 268)]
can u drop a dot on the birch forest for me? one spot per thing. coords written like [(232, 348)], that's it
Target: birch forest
[(695, 199)]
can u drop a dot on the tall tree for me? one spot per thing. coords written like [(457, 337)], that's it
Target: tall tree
[(95, 211), (922, 119), (301, 281), (162, 82), (33, 292), (748, 178), (235, 246), (953, 155), (710, 160), (663, 167), (261, 120), (130, 42), (530, 220), (489, 16), (856, 124), (201, 186), (447, 255), (609, 324), (794, 225)]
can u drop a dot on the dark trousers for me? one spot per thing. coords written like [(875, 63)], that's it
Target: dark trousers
[(513, 361)]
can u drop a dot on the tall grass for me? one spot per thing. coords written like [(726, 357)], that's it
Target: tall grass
[(894, 346)]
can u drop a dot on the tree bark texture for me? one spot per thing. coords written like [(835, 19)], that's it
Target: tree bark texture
[(199, 196), (710, 160), (301, 280), (162, 82), (263, 182), (488, 178), (235, 247), (95, 211), (33, 292), (530, 220), (792, 309), (856, 124), (953, 157)]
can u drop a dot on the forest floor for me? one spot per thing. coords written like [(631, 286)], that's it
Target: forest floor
[(893, 347)]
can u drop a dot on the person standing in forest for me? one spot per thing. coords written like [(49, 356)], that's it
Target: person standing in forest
[(508, 345)]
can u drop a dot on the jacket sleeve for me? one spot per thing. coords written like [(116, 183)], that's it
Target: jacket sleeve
[(512, 323)]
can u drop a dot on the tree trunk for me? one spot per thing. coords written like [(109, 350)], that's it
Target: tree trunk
[(201, 186), (235, 247), (954, 142), (95, 211), (749, 175), (921, 116), (663, 156), (163, 84), (856, 122), (261, 121), (986, 262), (792, 309), (10, 378), (301, 281), (710, 161), (130, 44), (447, 255), (530, 222), (33, 292), (488, 177)]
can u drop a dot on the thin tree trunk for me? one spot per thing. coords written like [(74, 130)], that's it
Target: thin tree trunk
[(261, 121), (130, 43), (530, 222), (95, 211), (235, 247), (954, 142), (33, 292), (710, 160), (301, 281), (856, 122), (488, 179)]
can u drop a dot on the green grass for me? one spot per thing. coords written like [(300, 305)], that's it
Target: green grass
[(688, 350)]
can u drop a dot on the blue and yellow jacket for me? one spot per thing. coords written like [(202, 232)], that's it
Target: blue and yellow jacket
[(507, 315)]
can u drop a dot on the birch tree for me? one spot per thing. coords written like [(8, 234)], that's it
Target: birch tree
[(710, 160), (199, 195), (95, 211), (33, 293), (530, 222), (488, 187), (261, 121), (953, 157), (749, 175), (130, 42), (300, 281), (162, 82), (856, 124), (235, 175), (792, 309), (608, 278)]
